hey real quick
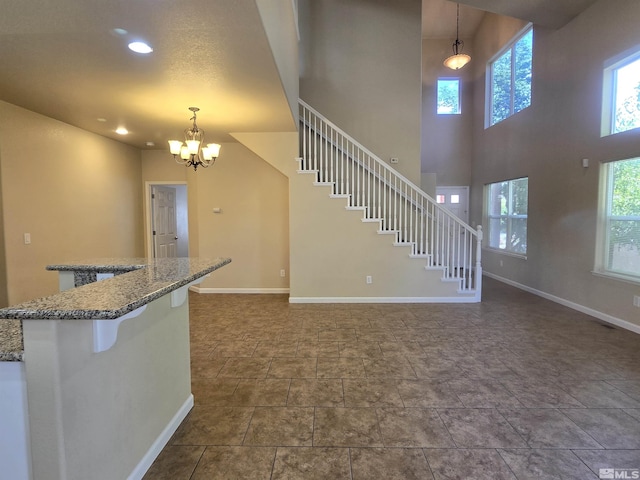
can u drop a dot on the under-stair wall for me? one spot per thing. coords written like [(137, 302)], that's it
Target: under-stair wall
[(428, 235), (333, 252), (337, 244)]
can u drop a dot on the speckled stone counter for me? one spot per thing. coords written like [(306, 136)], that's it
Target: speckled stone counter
[(98, 359), (87, 271), (11, 348), (139, 282)]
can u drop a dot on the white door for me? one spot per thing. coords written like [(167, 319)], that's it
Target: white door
[(455, 199), (165, 232)]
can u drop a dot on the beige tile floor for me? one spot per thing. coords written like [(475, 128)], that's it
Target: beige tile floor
[(514, 388)]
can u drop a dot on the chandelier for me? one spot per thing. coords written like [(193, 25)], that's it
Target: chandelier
[(458, 59), (192, 153)]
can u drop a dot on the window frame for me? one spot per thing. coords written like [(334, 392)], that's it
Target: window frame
[(489, 90), (448, 79), (605, 202), (609, 90), (488, 216)]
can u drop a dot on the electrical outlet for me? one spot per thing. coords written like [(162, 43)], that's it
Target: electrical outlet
[(394, 160), (283, 273), (369, 279), (636, 300)]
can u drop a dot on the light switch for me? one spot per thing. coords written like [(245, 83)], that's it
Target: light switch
[(27, 238)]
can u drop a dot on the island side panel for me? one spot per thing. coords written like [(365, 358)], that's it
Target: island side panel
[(96, 415)]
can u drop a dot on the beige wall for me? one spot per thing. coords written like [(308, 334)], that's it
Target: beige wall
[(546, 142), (253, 227), (446, 139), (333, 251), (360, 68), (279, 20), (4, 300), (76, 193)]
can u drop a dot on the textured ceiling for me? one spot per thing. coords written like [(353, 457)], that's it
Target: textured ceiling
[(65, 59)]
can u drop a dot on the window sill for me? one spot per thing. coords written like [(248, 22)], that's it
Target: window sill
[(617, 276), (505, 252)]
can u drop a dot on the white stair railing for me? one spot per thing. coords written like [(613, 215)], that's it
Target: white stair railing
[(384, 195)]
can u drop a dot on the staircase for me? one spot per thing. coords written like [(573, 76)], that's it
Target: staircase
[(447, 246)]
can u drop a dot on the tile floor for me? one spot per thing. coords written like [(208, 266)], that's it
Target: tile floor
[(514, 388)]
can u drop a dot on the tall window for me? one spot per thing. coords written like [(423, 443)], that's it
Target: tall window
[(506, 207), (620, 228), (448, 96), (509, 76), (621, 95)]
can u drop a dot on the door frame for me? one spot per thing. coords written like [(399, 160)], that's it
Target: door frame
[(456, 187), (148, 221)]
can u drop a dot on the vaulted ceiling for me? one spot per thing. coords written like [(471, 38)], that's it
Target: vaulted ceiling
[(68, 59)]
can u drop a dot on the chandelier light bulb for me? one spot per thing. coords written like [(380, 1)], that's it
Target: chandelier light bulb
[(192, 153)]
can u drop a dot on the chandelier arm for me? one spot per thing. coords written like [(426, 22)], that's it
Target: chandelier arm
[(194, 139)]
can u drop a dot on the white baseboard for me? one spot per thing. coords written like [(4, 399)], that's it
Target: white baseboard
[(471, 299), (240, 290), (567, 303), (161, 441)]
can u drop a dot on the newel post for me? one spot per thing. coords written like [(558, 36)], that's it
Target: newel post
[(479, 263)]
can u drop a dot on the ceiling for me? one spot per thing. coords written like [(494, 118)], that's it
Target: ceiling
[(66, 60), (69, 60), (439, 16)]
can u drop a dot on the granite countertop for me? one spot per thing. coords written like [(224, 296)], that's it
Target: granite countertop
[(102, 265), (107, 299), (11, 348)]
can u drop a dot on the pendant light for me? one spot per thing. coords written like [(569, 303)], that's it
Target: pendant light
[(458, 59)]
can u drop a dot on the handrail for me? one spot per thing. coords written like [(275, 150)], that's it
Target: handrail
[(386, 195), (382, 163)]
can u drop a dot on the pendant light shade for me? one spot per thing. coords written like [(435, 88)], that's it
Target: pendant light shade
[(458, 59)]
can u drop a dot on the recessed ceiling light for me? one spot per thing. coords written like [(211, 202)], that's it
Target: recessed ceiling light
[(122, 131), (140, 47), (101, 120), (119, 31), (150, 144)]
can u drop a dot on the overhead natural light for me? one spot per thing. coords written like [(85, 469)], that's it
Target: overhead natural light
[(627, 97)]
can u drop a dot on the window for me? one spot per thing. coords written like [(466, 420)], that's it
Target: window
[(448, 96), (509, 76), (621, 95), (506, 207), (619, 232)]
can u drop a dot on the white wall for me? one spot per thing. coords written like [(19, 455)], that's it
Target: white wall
[(279, 19), (360, 68), (97, 415), (446, 139), (546, 142)]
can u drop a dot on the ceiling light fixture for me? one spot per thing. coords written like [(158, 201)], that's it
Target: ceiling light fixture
[(458, 59), (193, 154), (122, 131), (140, 47)]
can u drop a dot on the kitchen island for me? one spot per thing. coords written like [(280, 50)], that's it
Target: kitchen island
[(107, 368)]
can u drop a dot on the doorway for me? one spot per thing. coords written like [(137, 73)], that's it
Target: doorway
[(456, 200), (167, 220)]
